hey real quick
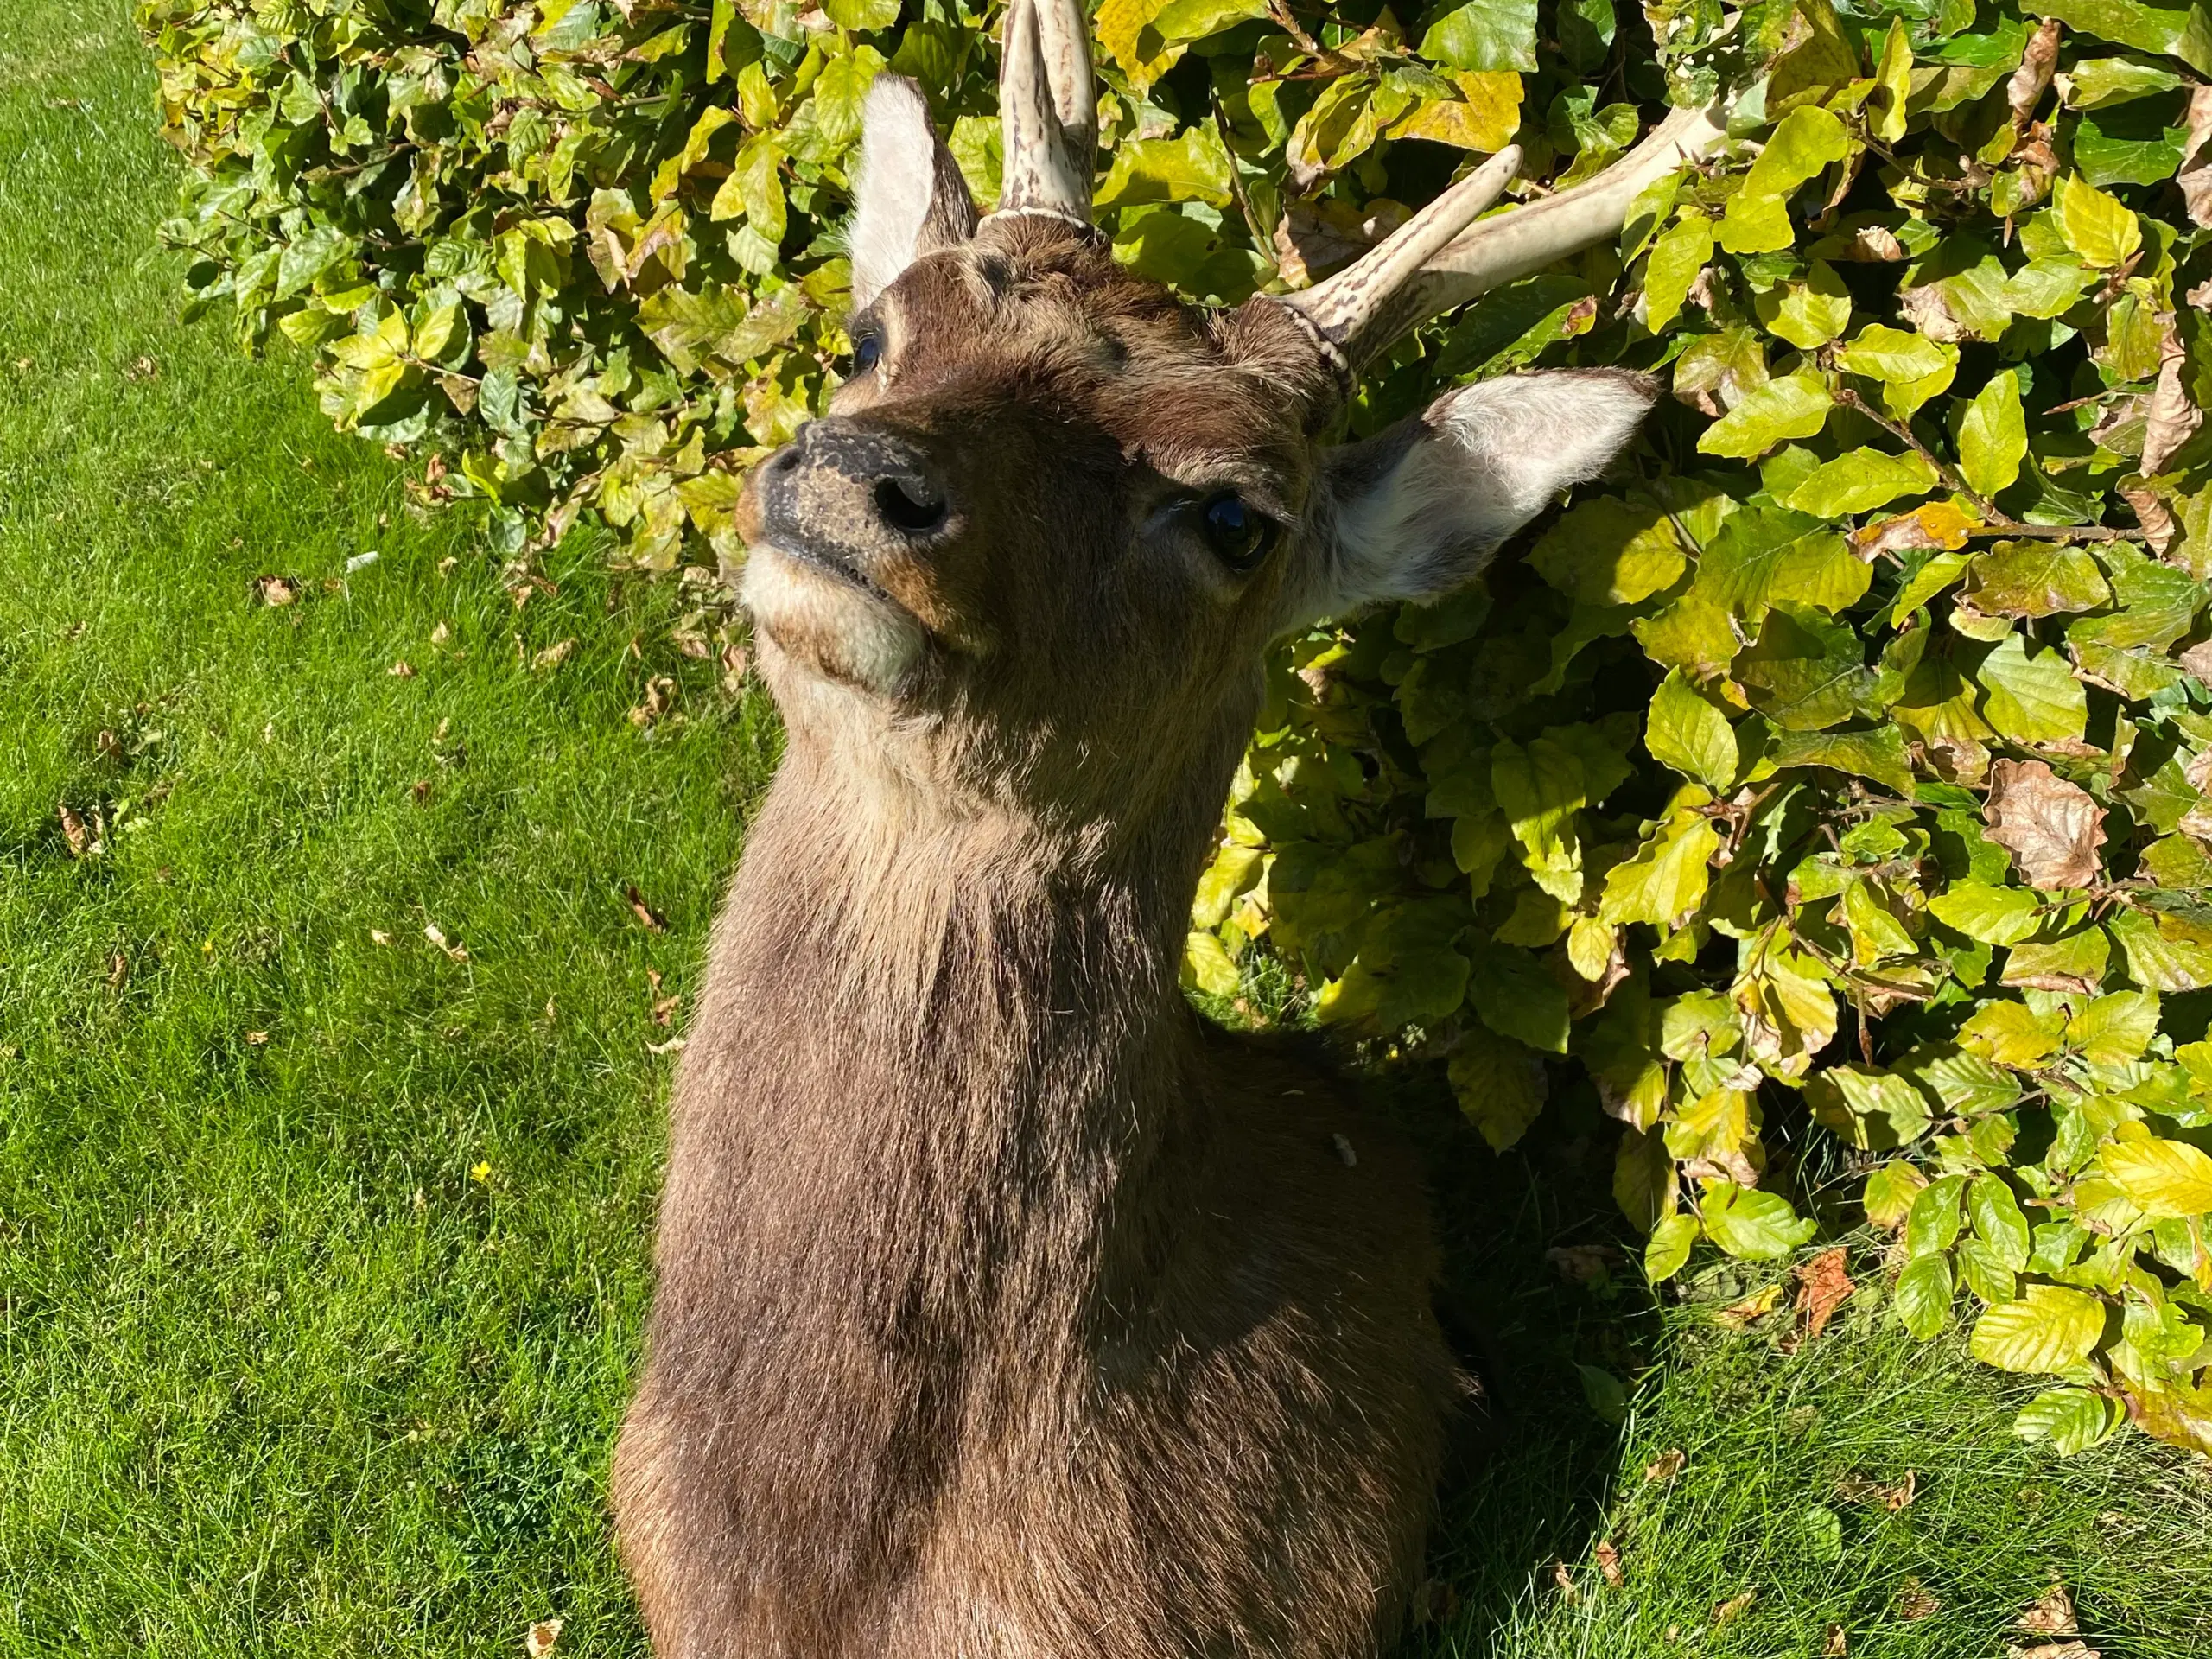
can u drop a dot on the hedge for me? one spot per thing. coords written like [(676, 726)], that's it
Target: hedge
[(1826, 796)]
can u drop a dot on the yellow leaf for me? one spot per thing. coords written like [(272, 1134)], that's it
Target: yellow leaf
[(2166, 1180), (1483, 119), (2048, 1329), (2100, 228)]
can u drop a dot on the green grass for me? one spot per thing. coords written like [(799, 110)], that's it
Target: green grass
[(283, 1377)]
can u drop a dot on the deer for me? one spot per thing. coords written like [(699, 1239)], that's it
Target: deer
[(1005, 1308)]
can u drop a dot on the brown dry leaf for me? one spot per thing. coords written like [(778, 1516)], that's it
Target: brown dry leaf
[(276, 590), (2197, 659), (257, 1038), (118, 970), (1564, 1581), (645, 913), (377, 936), (1756, 1305), (401, 670), (1915, 1601), (437, 936), (1857, 1489), (664, 1007), (1823, 1286), (1666, 1466), (2052, 828), (419, 791), (2169, 418), (2196, 177), (541, 1638), (2026, 90), (1734, 1608), (144, 368), (2054, 1650), (1836, 1644), (1609, 1564), (1924, 309), (72, 830), (2051, 1615), (554, 655)]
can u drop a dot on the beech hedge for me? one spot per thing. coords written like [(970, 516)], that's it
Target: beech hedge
[(1826, 794)]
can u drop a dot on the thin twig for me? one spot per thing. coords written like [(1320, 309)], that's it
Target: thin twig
[(1996, 522), (1262, 239)]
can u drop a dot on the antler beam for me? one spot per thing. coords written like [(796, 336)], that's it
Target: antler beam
[(1048, 103), (1443, 257)]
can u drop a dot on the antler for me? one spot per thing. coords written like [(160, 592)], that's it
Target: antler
[(1048, 107), (1441, 258)]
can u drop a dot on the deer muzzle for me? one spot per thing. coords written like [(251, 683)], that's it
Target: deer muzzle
[(856, 501)]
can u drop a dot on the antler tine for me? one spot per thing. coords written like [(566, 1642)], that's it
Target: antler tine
[(1048, 104), (1363, 308)]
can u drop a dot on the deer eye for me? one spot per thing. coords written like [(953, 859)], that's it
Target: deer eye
[(1239, 536), (867, 351)]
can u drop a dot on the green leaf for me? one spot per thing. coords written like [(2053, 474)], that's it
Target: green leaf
[(1195, 20), (1961, 1084), (2099, 81), (1999, 1221), (1607, 552), (2032, 699), (1499, 1084), (1993, 915), (2036, 579), (1517, 998), (2013, 1035), (1688, 732), (1878, 753), (1207, 966), (1193, 167), (1795, 406), (1993, 435), (1804, 673), (1668, 1249), (1923, 1297), (2115, 1030), (1681, 252), (1805, 141), (1860, 481), (2162, 1179), (2072, 1419), (1665, 881), (1763, 554), (2131, 144), (2183, 32), (2048, 1329), (1809, 313), (1892, 356), (1752, 1225), (1874, 1110), (1487, 35), (1890, 1192), (2101, 229)]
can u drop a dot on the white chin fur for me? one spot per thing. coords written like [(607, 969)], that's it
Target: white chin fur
[(826, 623)]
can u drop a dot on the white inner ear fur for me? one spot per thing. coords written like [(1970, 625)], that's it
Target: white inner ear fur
[(1488, 459), (892, 190)]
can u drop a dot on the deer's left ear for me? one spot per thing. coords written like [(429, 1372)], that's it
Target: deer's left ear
[(910, 198), (1412, 513)]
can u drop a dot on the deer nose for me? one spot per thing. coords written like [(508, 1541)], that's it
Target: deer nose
[(853, 495)]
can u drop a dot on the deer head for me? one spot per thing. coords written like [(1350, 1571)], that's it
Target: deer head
[(1036, 551)]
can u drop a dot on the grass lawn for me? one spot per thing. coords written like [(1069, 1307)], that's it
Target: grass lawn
[(323, 1248)]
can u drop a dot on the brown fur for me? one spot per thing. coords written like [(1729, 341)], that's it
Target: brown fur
[(1006, 1310)]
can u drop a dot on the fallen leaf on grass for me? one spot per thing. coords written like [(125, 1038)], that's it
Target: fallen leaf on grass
[(435, 935), (401, 670), (664, 1007), (257, 1038), (539, 1641), (73, 832), (1823, 1286), (1915, 1602), (2052, 827), (2054, 1650), (1609, 1564), (673, 1046), (377, 936), (118, 970), (645, 913), (1756, 1305), (1837, 1644), (2051, 1615), (419, 791), (553, 656), (1666, 1466), (1734, 1608), (1857, 1489)]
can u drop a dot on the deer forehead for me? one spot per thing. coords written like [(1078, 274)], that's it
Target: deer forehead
[(1064, 334)]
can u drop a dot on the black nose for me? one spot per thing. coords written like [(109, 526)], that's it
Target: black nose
[(903, 490)]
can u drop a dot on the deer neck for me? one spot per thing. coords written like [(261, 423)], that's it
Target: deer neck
[(959, 1033)]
